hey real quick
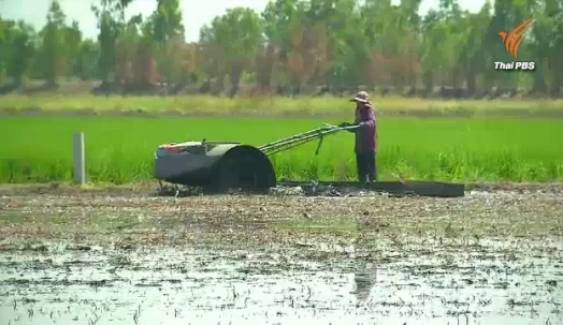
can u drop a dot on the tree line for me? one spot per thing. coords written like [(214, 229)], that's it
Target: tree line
[(291, 46)]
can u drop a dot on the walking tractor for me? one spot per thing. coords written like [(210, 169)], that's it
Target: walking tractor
[(220, 166)]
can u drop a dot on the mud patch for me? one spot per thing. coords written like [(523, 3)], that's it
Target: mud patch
[(106, 258)]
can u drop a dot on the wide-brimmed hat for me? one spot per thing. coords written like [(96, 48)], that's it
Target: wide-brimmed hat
[(361, 97)]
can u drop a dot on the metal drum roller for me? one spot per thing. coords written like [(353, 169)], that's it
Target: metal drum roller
[(223, 165)]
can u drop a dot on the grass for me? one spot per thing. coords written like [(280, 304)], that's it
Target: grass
[(121, 149), (272, 106)]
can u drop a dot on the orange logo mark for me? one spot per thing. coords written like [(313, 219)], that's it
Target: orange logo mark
[(513, 39)]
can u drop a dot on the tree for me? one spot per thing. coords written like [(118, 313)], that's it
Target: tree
[(19, 52), (167, 21), (167, 32), (546, 45), (276, 21), (301, 36), (4, 45), (111, 20), (16, 50), (72, 40), (233, 39), (214, 64), (87, 59), (554, 11), (272, 60), (474, 50), (346, 48), (295, 43), (393, 36), (52, 47), (127, 73), (443, 46), (308, 60)]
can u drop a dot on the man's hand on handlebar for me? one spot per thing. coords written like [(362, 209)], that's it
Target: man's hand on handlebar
[(346, 124)]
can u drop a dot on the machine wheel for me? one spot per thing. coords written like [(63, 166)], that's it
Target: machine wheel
[(243, 169)]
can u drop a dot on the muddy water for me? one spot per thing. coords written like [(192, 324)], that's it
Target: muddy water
[(135, 259)]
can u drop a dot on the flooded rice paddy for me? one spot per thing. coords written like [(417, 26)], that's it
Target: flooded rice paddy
[(130, 257)]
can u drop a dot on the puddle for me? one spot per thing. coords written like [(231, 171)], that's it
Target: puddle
[(492, 258), (174, 286)]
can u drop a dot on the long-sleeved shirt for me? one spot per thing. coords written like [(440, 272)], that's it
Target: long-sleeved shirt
[(366, 134)]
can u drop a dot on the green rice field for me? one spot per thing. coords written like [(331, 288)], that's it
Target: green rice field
[(120, 149)]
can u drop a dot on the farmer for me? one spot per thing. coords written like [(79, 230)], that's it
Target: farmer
[(366, 138)]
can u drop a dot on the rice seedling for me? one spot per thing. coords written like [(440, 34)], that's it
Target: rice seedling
[(121, 149)]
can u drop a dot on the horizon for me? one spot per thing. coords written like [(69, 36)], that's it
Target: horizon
[(193, 20)]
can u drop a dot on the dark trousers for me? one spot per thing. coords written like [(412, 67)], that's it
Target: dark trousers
[(367, 170)]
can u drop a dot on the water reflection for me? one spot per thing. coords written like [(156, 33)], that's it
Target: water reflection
[(177, 287), (364, 280)]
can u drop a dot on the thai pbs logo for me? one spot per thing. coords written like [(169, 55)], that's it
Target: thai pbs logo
[(512, 41)]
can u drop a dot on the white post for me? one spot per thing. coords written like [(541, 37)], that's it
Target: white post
[(79, 159)]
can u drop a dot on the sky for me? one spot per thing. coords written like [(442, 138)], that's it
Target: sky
[(196, 13)]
